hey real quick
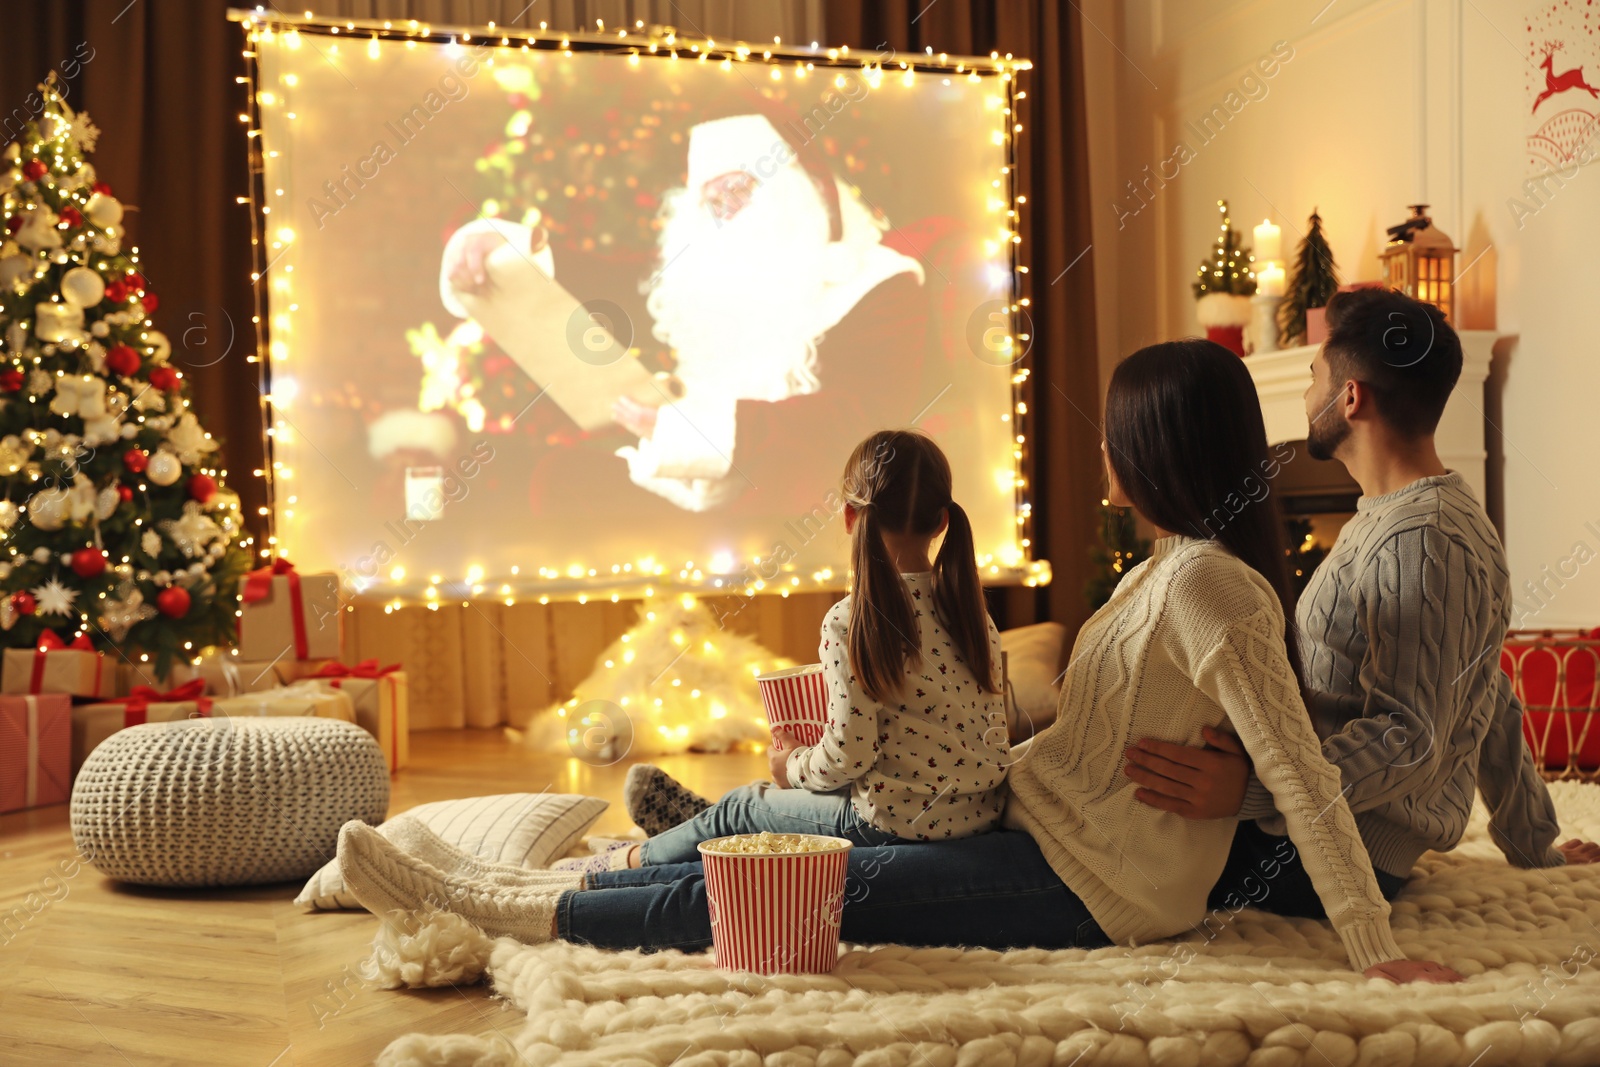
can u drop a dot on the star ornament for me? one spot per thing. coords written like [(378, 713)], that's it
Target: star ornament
[(117, 617), (54, 598), (193, 532)]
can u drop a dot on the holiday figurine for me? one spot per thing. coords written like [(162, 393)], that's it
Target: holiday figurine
[(1316, 279), (1224, 284), (110, 496)]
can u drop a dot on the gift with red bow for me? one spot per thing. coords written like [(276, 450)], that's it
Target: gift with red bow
[(35, 750), (303, 698), (57, 666), (93, 723), (286, 615), (382, 703)]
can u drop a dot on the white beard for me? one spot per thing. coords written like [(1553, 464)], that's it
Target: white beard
[(739, 300)]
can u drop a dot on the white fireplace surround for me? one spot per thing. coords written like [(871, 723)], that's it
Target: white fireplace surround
[(1282, 378)]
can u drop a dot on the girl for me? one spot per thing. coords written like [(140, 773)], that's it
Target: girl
[(1192, 638), (915, 748)]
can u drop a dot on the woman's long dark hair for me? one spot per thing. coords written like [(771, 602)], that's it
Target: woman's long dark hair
[(1186, 440), (899, 482)]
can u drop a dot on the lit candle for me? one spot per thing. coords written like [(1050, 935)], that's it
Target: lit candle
[(1270, 280), (1269, 241)]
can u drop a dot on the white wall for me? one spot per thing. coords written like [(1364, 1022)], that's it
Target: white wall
[(1382, 103)]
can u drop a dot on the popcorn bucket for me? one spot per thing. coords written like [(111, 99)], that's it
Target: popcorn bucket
[(776, 912), (796, 699)]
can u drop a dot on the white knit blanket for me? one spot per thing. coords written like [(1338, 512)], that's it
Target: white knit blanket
[(1266, 991)]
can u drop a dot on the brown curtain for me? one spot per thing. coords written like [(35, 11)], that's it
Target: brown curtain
[(1063, 391)]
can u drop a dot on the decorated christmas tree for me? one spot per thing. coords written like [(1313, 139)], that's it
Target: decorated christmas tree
[(1119, 550), (1228, 269), (113, 518), (1305, 552), (1316, 279)]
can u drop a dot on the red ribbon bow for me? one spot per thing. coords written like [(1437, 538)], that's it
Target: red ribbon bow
[(137, 702), (50, 641), (258, 586), (367, 668)]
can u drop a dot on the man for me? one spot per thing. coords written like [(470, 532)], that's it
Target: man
[(1400, 630), (765, 256)]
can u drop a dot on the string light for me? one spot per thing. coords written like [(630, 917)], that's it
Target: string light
[(274, 318)]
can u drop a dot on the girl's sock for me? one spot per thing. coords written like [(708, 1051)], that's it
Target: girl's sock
[(657, 802), (412, 835), (614, 857)]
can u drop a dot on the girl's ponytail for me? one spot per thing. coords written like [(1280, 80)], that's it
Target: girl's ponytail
[(883, 634), (958, 598)]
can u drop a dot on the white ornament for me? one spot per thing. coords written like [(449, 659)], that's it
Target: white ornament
[(13, 268), (47, 509), (106, 502), (38, 231), (193, 532), (41, 555), (82, 396), (40, 382), (103, 210), (150, 543), (54, 598), (5, 571), (14, 452), (189, 440), (13, 151), (164, 468), (54, 321), (85, 132), (109, 242), (66, 559), (119, 616), (16, 339), (8, 614), (129, 431), (159, 343), (100, 329), (9, 513), (83, 287), (149, 398)]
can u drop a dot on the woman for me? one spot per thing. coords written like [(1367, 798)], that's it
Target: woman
[(1198, 636)]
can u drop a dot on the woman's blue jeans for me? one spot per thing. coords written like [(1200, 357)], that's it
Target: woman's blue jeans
[(992, 890), (760, 806)]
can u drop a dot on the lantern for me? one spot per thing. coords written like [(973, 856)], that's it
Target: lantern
[(1420, 261)]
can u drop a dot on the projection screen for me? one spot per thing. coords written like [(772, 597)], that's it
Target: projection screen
[(590, 318)]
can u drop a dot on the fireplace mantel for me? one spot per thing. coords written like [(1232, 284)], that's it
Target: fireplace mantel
[(1283, 377)]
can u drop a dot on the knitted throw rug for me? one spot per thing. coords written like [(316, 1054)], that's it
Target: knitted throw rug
[(1263, 991)]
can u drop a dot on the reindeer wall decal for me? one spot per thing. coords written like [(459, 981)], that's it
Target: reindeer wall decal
[(1559, 83)]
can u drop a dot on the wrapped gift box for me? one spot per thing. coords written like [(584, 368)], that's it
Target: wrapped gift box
[(382, 704), (35, 750), (131, 675), (229, 675), (286, 615), (93, 723), (54, 666), (1554, 674), (302, 698)]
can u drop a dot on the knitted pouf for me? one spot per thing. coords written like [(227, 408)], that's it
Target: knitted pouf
[(225, 801)]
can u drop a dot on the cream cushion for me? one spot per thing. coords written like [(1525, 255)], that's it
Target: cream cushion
[(1034, 665), (521, 829)]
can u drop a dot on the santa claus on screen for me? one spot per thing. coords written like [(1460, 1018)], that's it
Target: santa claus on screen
[(787, 314)]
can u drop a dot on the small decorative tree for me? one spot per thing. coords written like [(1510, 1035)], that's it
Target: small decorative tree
[(1119, 550), (113, 518), (1316, 279), (1223, 286)]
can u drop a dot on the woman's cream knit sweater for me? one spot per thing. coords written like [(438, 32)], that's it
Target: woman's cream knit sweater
[(1192, 637)]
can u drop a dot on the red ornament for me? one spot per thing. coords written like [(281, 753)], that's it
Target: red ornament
[(71, 216), (150, 301), (117, 291), (89, 562), (10, 380), (14, 223), (100, 187), (23, 601), (202, 487), (164, 378), (34, 169), (124, 360), (173, 602), (135, 280), (124, 493), (136, 460)]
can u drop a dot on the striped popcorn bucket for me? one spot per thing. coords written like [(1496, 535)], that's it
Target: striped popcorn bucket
[(796, 699), (776, 913)]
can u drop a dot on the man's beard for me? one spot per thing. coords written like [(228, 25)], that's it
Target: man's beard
[(1327, 432), (736, 299)]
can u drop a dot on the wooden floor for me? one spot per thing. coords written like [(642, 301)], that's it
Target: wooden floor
[(101, 973)]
